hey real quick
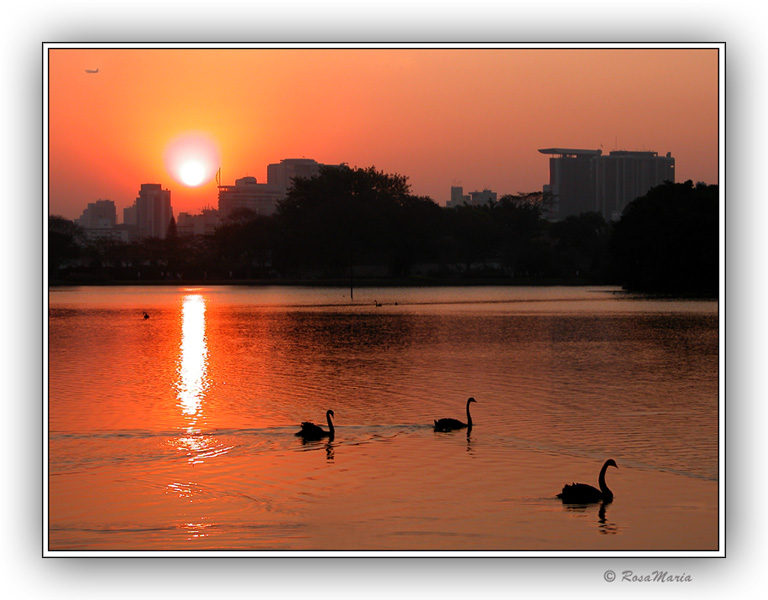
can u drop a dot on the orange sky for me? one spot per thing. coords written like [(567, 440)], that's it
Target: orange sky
[(441, 117)]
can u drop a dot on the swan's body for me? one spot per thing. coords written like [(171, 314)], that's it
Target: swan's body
[(453, 424), (310, 431), (581, 493)]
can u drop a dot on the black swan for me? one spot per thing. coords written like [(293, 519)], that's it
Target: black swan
[(452, 424), (581, 493), (310, 431), (146, 316)]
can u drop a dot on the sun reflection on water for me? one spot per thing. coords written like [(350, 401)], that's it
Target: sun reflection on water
[(196, 530), (193, 356), (192, 383)]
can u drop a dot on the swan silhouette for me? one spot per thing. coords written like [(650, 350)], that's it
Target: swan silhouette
[(453, 424), (146, 316), (581, 493), (310, 431)]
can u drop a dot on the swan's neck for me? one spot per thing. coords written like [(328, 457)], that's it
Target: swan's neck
[(469, 417), (330, 423), (601, 482)]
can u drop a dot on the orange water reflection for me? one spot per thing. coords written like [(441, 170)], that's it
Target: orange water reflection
[(193, 357), (196, 530), (192, 383), (194, 449)]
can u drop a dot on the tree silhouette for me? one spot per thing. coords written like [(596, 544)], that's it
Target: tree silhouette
[(349, 222), (344, 217), (244, 244), (66, 240), (172, 248), (521, 234), (472, 236), (414, 228), (668, 241), (581, 245)]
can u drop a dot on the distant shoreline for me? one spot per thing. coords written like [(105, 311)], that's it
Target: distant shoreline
[(339, 283), (379, 283)]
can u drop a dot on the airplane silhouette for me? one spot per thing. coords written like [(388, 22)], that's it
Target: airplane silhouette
[(91, 71)]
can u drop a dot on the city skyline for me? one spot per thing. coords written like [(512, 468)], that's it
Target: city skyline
[(440, 117)]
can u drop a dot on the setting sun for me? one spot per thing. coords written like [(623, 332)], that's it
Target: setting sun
[(192, 159), (192, 173)]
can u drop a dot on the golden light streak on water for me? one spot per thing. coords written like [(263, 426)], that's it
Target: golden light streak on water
[(193, 357)]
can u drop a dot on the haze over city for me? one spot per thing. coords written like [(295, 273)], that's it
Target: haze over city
[(441, 117)]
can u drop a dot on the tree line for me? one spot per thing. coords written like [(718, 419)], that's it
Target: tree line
[(363, 223)]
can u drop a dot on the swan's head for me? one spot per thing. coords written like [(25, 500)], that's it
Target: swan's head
[(330, 412), (471, 400), (611, 463)]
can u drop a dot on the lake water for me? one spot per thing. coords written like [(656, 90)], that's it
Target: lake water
[(176, 433)]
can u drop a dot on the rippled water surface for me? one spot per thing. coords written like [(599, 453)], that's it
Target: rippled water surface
[(176, 432)]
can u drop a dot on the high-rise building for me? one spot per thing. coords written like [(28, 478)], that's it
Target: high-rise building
[(459, 198), (99, 222), (627, 176), (153, 211), (483, 198), (203, 224), (281, 175), (129, 215), (101, 214), (586, 181), (262, 198)]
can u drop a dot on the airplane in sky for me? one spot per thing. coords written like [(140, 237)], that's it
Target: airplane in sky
[(91, 71)]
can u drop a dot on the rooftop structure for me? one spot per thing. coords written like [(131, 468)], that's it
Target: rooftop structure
[(587, 181), (571, 152)]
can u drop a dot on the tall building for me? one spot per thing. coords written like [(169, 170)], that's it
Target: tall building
[(262, 198), (129, 215), (203, 224), (459, 198), (628, 175), (281, 175), (99, 221), (101, 214), (586, 181), (483, 198), (153, 211)]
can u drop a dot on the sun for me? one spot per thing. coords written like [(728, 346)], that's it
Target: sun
[(192, 159), (192, 173)]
